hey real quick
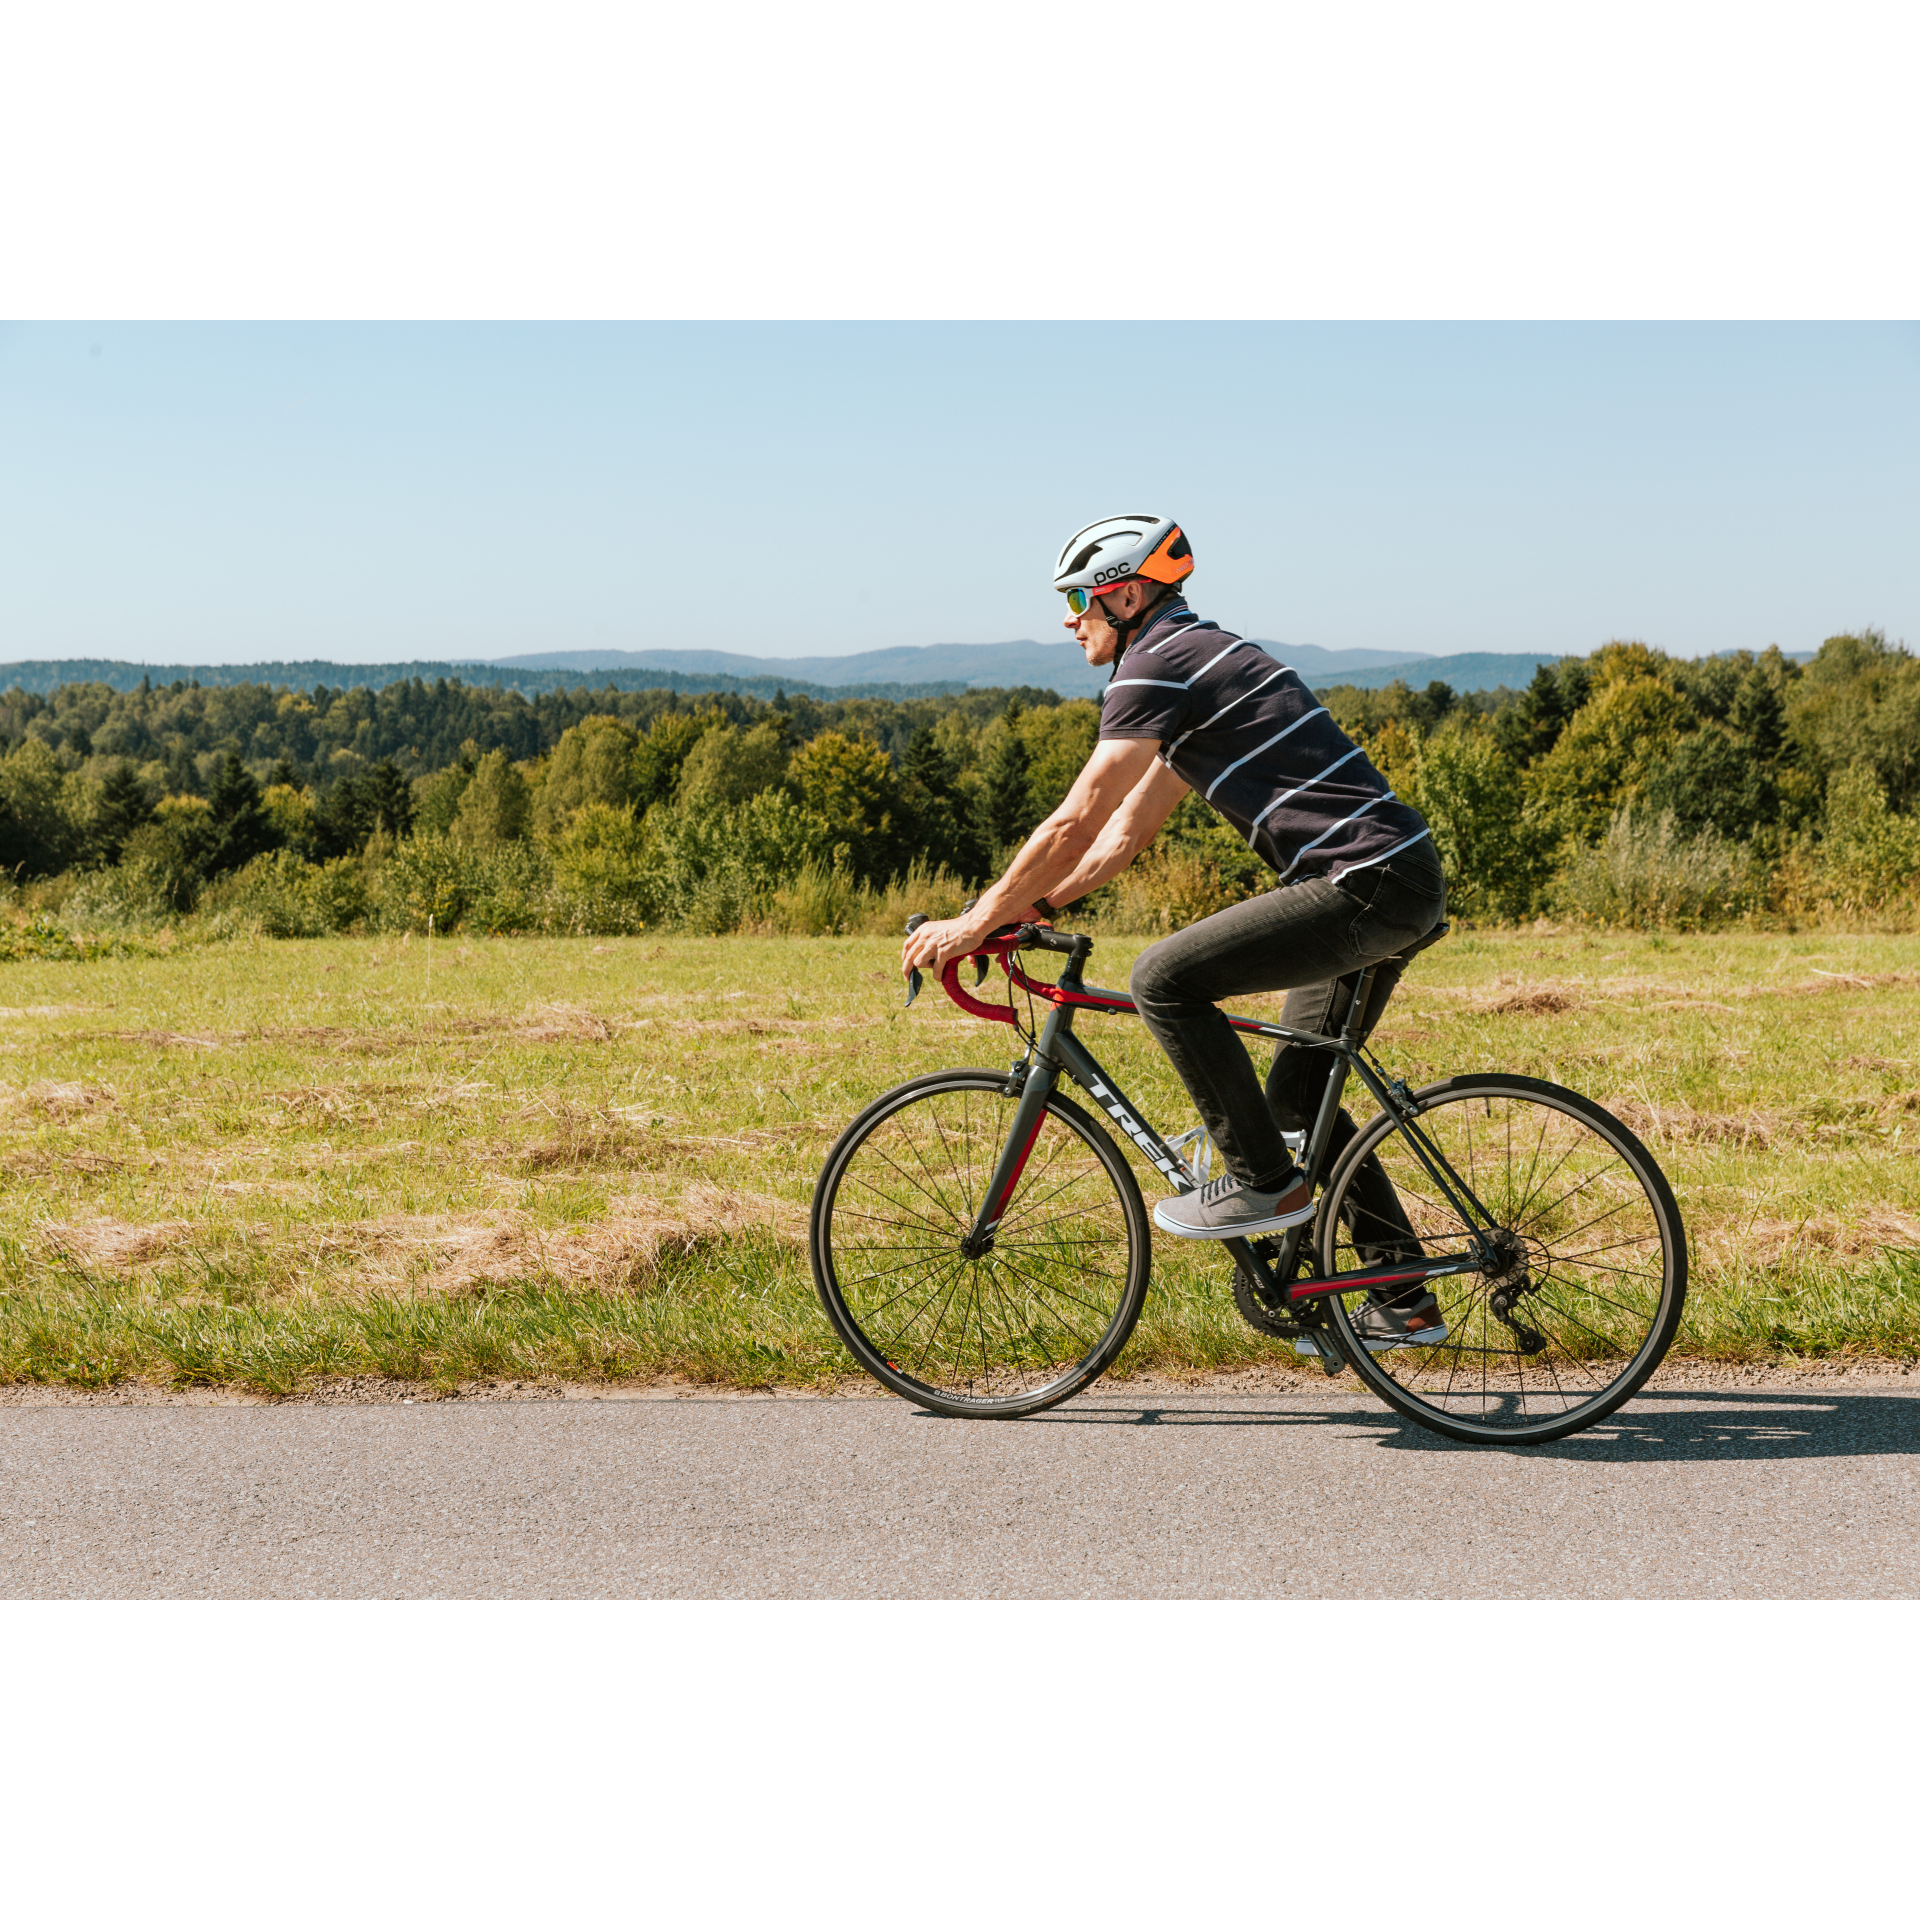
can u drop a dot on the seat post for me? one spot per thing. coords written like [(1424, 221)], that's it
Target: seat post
[(1357, 1007)]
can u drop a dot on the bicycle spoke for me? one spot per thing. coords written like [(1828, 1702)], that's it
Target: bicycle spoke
[(1598, 1266), (1567, 1195), (1520, 1226), (932, 1226), (1066, 1268), (946, 1147)]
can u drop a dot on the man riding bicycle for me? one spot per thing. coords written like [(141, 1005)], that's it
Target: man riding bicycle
[(1192, 708)]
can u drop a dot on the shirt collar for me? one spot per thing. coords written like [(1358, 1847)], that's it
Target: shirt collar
[(1170, 612)]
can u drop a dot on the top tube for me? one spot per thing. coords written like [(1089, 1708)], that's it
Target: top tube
[(1002, 947)]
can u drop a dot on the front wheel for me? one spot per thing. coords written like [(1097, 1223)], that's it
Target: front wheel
[(1586, 1278), (1025, 1324)]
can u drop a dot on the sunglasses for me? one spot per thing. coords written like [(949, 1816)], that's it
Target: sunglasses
[(1079, 599)]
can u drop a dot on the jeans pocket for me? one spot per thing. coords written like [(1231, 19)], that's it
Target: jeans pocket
[(1396, 911)]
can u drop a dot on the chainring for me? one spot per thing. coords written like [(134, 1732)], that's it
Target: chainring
[(1259, 1316)]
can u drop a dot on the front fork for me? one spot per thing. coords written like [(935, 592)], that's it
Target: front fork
[(1036, 1089)]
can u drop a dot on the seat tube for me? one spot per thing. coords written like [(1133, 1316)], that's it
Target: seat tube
[(1322, 1136), (1042, 1077)]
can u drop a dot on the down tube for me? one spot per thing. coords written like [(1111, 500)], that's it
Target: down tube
[(1088, 1073)]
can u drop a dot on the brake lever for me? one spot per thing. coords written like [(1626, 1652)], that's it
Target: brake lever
[(913, 973)]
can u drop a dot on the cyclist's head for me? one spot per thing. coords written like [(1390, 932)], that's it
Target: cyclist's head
[(1144, 551)]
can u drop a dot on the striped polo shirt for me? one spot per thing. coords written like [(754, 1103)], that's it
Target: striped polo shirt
[(1246, 735)]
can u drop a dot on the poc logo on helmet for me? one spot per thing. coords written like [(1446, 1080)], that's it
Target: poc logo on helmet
[(1112, 573)]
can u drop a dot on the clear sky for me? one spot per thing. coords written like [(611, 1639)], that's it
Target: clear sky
[(217, 493)]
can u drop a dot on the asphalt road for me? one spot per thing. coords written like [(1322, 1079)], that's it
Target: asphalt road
[(1687, 1494)]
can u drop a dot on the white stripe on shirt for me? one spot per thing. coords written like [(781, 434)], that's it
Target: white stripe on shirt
[(1374, 860), (1301, 788), (1335, 828), (1261, 748)]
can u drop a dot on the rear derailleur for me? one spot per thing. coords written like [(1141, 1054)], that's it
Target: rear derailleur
[(1516, 1281)]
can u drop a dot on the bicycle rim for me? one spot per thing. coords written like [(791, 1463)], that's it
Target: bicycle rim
[(1588, 1287), (1021, 1327)]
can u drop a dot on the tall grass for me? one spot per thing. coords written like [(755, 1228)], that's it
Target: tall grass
[(1646, 873)]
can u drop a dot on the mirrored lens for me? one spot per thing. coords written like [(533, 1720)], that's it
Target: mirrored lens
[(1078, 600)]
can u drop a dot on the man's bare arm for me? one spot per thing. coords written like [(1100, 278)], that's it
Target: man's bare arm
[(1140, 816), (1056, 851)]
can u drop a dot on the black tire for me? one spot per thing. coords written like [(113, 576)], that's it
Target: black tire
[(1028, 1324), (1593, 1275)]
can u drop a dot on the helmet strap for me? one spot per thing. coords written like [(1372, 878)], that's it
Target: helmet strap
[(1127, 628)]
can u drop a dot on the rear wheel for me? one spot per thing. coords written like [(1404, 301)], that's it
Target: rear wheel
[(1586, 1281), (1020, 1327)]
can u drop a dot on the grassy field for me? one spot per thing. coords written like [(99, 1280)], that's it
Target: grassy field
[(264, 1164)]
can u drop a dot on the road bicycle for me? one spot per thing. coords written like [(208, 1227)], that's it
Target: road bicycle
[(980, 1244)]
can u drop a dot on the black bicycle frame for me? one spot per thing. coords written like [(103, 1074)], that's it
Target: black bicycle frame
[(1057, 1050)]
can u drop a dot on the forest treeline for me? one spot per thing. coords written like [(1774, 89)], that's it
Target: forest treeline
[(1624, 788)]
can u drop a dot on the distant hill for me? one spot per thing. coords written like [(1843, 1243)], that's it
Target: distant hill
[(1463, 672), (43, 676), (889, 673), (1008, 663)]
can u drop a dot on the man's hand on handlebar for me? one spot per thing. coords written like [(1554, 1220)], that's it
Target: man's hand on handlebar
[(935, 942)]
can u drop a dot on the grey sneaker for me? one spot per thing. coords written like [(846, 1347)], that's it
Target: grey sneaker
[(1225, 1210), (1422, 1324)]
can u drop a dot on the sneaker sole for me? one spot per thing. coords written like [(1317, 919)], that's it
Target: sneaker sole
[(1246, 1230), (1428, 1337)]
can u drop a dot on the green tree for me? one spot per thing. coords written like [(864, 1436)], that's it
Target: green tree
[(120, 809), (438, 797), (1529, 729), (1632, 722), (850, 785), (388, 799), (1858, 704), (38, 829), (727, 768), (1006, 798), (1059, 740), (1711, 779), (496, 808), (1759, 716), (351, 811), (938, 822), (1496, 858), (241, 826), (662, 752), (592, 766), (1869, 855), (176, 847)]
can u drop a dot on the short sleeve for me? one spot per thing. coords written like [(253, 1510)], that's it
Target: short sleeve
[(1143, 709)]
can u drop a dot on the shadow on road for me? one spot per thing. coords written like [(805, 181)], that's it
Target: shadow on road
[(1653, 1426)]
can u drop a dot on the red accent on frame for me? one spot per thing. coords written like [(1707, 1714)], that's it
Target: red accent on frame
[(1020, 1167), (1096, 997), (1353, 1282)]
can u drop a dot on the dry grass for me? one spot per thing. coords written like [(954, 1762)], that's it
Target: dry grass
[(274, 1163)]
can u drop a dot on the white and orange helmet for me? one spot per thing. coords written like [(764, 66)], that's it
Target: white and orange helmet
[(1129, 546)]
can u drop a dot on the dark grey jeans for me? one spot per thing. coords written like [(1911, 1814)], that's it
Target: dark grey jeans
[(1312, 939)]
